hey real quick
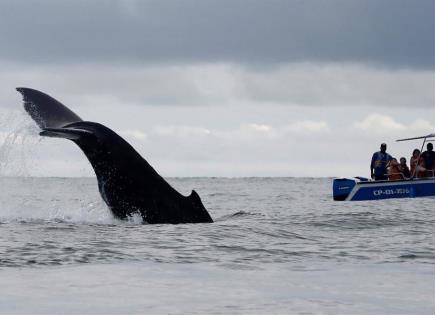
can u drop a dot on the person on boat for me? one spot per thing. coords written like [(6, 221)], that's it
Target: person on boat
[(404, 168), (416, 162), (428, 157), (378, 166), (394, 172)]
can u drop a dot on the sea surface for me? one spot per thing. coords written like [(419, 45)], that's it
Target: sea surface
[(277, 246)]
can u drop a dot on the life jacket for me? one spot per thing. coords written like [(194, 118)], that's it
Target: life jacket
[(394, 172), (380, 162)]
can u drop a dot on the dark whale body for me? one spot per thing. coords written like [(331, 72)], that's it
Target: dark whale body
[(127, 183)]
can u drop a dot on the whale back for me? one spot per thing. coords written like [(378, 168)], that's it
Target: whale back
[(45, 110)]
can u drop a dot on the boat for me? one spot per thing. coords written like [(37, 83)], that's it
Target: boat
[(360, 188)]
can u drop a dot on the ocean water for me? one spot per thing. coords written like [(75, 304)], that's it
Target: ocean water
[(277, 246)]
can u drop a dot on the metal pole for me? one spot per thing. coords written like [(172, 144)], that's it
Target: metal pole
[(418, 159)]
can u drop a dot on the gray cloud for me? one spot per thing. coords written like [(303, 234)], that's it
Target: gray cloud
[(221, 85), (390, 33)]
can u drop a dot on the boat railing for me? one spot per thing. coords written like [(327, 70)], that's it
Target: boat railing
[(427, 174), (394, 175)]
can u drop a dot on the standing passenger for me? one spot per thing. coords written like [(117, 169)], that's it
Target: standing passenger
[(428, 157), (378, 166)]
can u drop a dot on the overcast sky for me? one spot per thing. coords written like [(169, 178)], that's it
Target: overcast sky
[(222, 88)]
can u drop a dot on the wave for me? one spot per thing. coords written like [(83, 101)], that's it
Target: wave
[(237, 215)]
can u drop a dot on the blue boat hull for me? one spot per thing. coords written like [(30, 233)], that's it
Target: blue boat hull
[(357, 189)]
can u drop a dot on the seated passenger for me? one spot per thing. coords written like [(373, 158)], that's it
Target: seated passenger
[(404, 168), (417, 164), (428, 157), (394, 172)]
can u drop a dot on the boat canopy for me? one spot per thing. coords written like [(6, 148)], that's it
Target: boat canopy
[(432, 135)]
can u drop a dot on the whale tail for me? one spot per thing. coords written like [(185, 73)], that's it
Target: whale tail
[(66, 133), (45, 110), (200, 212), (125, 179)]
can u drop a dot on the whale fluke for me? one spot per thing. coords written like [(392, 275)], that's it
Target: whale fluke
[(127, 183), (67, 133), (45, 110)]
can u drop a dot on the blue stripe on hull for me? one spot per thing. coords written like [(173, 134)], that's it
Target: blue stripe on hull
[(389, 190)]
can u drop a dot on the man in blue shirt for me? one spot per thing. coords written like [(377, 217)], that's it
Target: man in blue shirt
[(378, 167)]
